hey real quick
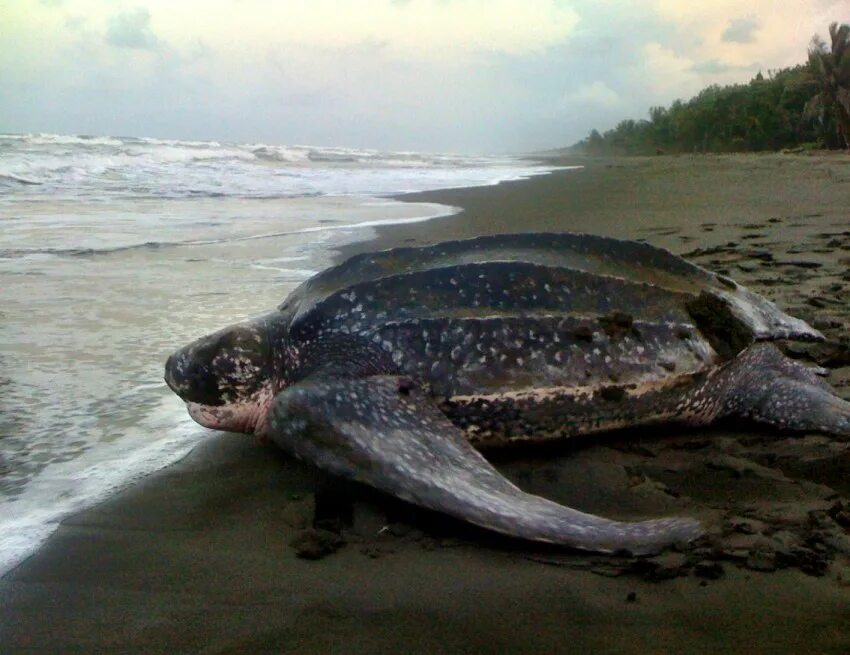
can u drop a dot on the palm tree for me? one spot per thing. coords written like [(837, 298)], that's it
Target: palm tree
[(829, 71)]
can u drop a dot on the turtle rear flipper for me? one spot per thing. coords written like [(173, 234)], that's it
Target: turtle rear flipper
[(382, 431), (764, 385)]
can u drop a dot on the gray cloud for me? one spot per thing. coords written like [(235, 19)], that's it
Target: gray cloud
[(365, 94), (131, 29), (740, 30), (714, 66)]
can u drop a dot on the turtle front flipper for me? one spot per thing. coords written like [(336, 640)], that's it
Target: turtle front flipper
[(384, 432)]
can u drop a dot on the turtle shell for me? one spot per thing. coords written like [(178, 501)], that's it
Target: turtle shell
[(508, 312)]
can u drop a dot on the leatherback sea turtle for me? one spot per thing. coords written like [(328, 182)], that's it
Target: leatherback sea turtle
[(390, 368)]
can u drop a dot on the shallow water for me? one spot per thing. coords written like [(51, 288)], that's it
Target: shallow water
[(104, 272)]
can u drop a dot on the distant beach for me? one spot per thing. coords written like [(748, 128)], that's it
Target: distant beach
[(198, 556)]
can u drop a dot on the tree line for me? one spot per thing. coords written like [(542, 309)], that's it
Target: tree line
[(806, 106)]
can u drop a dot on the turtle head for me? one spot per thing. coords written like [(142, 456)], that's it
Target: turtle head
[(227, 378)]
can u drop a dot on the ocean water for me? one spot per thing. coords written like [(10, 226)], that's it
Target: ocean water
[(114, 251)]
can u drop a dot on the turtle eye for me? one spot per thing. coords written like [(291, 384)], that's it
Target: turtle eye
[(242, 358), (223, 367)]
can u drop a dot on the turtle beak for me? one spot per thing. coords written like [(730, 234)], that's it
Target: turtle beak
[(170, 369), (189, 372)]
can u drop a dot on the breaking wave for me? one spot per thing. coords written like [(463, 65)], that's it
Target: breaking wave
[(81, 165)]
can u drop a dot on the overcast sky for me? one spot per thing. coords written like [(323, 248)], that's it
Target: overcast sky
[(435, 75)]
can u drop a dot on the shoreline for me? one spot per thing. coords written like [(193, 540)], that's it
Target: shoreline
[(37, 503), (184, 559)]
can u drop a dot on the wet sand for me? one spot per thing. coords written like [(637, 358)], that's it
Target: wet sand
[(201, 557)]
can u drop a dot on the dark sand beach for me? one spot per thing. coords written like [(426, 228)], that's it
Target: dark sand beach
[(202, 556)]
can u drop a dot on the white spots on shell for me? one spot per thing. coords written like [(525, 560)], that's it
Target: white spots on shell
[(437, 369), (468, 353)]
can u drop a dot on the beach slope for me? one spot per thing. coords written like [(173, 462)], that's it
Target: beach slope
[(212, 554)]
